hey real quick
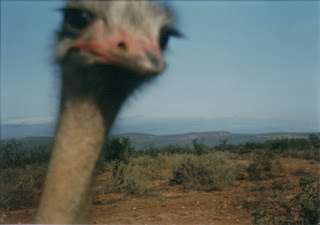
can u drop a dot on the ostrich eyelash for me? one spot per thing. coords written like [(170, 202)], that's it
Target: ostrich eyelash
[(165, 33)]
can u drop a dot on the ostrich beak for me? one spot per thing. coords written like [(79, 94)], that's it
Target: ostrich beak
[(140, 54)]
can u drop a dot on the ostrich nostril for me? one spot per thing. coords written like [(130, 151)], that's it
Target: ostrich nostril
[(122, 46)]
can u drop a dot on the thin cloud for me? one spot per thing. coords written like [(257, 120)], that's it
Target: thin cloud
[(28, 121)]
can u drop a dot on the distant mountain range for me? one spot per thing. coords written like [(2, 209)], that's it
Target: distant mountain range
[(26, 130), (143, 141), (156, 132), (157, 126)]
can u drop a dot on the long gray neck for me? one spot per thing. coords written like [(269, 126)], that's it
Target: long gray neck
[(78, 141), (88, 108)]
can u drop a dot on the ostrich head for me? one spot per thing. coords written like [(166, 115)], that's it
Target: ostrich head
[(122, 34)]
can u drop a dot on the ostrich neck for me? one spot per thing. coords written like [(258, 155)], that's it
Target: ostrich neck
[(85, 118)]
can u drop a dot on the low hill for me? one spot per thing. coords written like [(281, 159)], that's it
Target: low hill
[(143, 141)]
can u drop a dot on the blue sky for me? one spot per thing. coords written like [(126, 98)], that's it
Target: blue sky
[(244, 66)]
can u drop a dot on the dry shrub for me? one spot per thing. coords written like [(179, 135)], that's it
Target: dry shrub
[(282, 184), (136, 182), (152, 168), (240, 171), (128, 178), (299, 172), (18, 186), (207, 171)]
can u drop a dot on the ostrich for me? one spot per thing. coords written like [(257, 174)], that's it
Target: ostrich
[(105, 50)]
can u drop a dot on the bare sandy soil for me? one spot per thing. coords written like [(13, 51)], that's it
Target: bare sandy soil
[(172, 205)]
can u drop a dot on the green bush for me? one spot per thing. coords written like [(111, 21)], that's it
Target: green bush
[(308, 147), (261, 165), (150, 151), (315, 141), (199, 147), (302, 209), (308, 200), (13, 155), (176, 149), (118, 149), (38, 155)]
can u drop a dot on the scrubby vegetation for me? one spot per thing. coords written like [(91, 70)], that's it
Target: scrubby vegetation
[(13, 155), (196, 168), (198, 172), (280, 208), (22, 173)]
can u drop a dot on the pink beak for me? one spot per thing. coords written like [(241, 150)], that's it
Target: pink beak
[(140, 54)]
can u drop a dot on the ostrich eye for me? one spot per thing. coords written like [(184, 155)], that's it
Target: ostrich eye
[(165, 34), (77, 18)]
